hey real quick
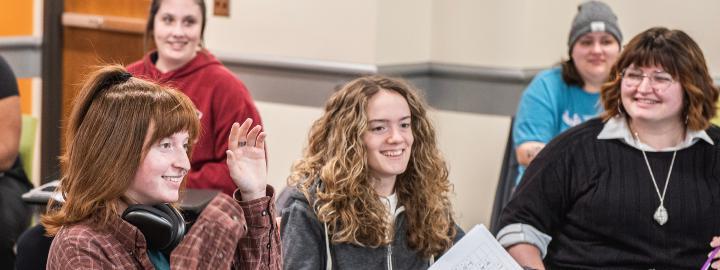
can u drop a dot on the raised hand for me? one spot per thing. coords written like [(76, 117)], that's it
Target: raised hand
[(246, 159)]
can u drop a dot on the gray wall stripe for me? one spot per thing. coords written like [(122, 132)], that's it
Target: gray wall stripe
[(23, 54), (474, 89)]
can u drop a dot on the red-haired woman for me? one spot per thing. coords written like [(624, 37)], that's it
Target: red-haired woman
[(128, 144)]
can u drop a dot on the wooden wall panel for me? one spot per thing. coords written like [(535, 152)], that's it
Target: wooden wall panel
[(85, 49), (126, 8)]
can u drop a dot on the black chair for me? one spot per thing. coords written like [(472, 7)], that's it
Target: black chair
[(506, 184), (32, 249)]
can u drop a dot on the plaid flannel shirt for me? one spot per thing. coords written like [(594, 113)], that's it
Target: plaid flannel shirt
[(228, 234)]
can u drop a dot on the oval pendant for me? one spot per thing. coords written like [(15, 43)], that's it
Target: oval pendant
[(661, 215)]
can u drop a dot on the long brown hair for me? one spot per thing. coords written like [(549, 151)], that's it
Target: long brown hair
[(682, 58), (104, 142), (347, 202)]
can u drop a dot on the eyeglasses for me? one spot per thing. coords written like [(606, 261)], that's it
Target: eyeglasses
[(659, 81)]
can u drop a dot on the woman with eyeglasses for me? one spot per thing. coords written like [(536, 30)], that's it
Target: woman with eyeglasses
[(565, 96), (638, 188)]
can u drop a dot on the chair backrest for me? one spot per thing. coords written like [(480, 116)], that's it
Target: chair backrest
[(32, 249), (27, 143), (506, 184)]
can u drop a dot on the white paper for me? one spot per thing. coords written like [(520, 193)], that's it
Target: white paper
[(477, 250), (40, 196)]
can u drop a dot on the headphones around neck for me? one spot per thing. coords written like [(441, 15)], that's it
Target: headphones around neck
[(162, 225)]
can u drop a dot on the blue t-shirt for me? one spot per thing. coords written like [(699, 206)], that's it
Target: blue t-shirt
[(549, 106)]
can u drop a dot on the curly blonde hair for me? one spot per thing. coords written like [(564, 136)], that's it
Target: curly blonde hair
[(336, 157)]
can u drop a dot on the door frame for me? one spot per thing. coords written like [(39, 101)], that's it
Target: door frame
[(51, 74)]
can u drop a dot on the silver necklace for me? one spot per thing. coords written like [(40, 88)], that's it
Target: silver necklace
[(661, 214)]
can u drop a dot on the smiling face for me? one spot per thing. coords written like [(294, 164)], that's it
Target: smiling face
[(646, 104), (177, 33), (389, 137), (594, 54), (161, 171)]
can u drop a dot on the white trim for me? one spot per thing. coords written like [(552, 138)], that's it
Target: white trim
[(37, 18), (14, 42), (36, 89)]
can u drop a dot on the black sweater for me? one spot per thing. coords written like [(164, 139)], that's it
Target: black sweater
[(596, 199)]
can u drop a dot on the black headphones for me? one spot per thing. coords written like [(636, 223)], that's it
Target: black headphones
[(162, 225)]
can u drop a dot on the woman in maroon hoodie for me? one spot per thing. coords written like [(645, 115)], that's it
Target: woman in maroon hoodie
[(176, 27)]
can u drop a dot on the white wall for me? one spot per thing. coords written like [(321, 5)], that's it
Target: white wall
[(486, 33), (490, 33), (403, 31), (699, 19), (286, 137), (334, 30), (533, 33), (473, 146)]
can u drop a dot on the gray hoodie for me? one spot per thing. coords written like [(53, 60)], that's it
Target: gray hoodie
[(304, 243)]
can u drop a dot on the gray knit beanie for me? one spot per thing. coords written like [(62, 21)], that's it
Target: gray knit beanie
[(594, 16)]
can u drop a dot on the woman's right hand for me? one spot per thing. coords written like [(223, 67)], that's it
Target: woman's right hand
[(246, 159), (526, 152)]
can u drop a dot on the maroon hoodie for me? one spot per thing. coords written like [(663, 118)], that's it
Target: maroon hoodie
[(221, 99)]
